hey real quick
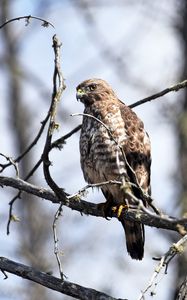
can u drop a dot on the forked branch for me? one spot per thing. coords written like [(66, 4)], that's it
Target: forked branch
[(175, 249)]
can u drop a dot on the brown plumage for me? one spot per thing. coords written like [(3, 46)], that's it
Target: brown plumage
[(102, 158)]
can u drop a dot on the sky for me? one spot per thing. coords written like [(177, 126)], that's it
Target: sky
[(135, 48)]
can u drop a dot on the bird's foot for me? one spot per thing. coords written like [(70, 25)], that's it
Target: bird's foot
[(119, 208)]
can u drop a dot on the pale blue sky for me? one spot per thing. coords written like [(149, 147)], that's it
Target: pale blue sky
[(150, 50)]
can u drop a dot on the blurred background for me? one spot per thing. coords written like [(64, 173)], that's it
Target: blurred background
[(139, 47)]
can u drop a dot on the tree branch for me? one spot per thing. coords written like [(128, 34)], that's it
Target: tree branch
[(55, 238), (88, 208), (59, 142), (51, 282), (45, 23), (174, 88), (175, 249), (58, 88), (56, 144)]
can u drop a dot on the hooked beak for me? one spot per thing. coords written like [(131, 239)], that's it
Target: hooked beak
[(80, 93)]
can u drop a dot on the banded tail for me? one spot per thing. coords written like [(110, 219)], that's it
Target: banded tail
[(135, 238)]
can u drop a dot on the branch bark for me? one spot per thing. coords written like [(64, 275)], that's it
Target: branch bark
[(51, 282), (174, 88), (88, 208), (58, 88)]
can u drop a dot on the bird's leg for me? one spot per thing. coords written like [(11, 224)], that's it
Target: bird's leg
[(125, 187), (107, 208), (119, 208)]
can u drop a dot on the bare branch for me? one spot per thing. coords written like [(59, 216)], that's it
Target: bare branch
[(56, 144), (32, 144), (88, 208), (175, 249), (11, 162), (82, 191), (18, 195), (58, 88), (59, 142), (64, 287), (174, 88), (55, 237), (45, 23), (10, 214)]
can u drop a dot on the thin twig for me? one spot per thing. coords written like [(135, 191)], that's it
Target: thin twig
[(11, 162), (55, 237), (10, 213), (173, 88), (139, 204), (32, 144), (58, 88), (92, 209), (83, 190), (18, 195), (55, 144), (35, 140), (176, 248), (59, 142), (27, 19)]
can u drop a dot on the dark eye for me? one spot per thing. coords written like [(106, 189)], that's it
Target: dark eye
[(92, 87)]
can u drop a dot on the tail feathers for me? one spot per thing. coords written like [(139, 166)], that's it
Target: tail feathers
[(134, 239)]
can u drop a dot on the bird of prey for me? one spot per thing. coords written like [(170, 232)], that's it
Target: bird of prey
[(115, 146)]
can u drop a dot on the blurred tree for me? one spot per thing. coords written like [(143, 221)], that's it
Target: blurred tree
[(36, 227), (181, 135)]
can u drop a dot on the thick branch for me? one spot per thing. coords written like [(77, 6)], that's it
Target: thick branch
[(92, 209), (51, 282)]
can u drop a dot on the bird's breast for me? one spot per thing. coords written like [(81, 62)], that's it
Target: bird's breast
[(101, 148)]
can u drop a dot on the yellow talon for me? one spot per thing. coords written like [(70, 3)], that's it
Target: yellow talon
[(119, 209)]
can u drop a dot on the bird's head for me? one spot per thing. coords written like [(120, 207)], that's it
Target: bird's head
[(93, 90)]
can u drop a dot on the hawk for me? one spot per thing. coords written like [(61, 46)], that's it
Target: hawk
[(114, 146)]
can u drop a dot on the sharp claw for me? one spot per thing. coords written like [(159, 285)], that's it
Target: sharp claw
[(106, 209), (119, 208)]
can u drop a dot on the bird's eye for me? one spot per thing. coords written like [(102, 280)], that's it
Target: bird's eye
[(92, 87)]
